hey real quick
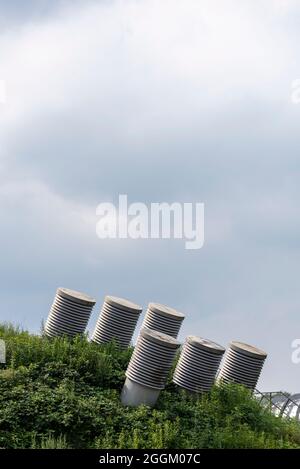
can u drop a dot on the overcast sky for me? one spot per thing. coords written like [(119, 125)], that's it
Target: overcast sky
[(169, 100)]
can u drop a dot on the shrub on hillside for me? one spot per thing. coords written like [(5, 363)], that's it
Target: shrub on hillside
[(61, 393)]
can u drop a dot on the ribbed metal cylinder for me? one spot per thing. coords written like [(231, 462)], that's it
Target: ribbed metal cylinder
[(163, 319), (69, 313), (117, 321), (242, 364), (152, 359), (198, 364)]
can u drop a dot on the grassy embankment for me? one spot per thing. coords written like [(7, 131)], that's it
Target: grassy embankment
[(65, 394)]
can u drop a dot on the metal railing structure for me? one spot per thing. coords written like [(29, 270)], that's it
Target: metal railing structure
[(280, 403)]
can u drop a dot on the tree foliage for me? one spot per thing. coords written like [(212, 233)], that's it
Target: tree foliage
[(62, 393)]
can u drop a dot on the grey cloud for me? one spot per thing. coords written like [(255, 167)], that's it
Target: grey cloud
[(18, 12)]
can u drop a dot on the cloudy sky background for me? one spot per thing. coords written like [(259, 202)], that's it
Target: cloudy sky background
[(165, 100)]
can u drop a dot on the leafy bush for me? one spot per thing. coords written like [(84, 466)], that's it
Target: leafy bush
[(61, 393)]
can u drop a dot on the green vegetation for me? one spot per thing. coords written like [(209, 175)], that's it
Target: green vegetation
[(62, 393)]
